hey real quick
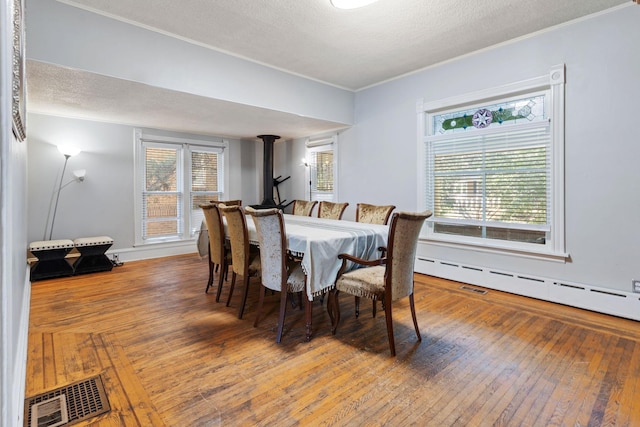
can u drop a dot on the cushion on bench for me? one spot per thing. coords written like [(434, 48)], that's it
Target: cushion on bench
[(93, 241), (44, 245)]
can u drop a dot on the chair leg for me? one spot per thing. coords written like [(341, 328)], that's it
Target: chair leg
[(283, 309), (389, 319), (330, 307), (223, 273), (294, 303), (247, 279), (260, 304), (233, 284), (333, 306), (210, 282), (413, 314), (375, 307), (357, 302)]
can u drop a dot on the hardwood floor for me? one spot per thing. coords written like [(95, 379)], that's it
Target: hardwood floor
[(170, 355)]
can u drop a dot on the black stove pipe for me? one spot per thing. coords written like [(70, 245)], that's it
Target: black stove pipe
[(268, 170)]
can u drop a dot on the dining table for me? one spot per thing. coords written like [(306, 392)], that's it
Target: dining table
[(317, 242)]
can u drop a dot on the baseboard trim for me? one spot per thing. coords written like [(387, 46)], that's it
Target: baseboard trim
[(159, 250), (20, 373), (602, 300)]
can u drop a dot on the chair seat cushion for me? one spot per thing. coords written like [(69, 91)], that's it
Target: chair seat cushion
[(363, 282), (255, 266), (296, 279)]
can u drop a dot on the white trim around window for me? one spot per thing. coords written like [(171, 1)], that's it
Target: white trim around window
[(552, 85), (313, 148), (187, 219)]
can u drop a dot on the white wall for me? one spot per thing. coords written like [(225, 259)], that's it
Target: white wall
[(104, 203), (379, 153), (14, 286)]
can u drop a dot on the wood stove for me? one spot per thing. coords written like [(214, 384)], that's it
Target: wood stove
[(268, 181)]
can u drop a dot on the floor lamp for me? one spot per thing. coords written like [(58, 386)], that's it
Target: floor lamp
[(67, 151), (308, 166)]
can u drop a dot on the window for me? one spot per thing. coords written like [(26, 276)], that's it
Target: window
[(174, 177), (322, 170), (493, 167)]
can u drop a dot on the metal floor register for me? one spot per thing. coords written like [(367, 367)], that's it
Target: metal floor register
[(67, 405)]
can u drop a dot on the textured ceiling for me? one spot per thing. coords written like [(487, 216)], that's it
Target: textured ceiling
[(348, 48), (60, 91), (351, 49)]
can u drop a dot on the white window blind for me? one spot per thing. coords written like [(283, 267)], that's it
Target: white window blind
[(492, 181), (321, 164), (161, 198), (205, 183), (322, 170)]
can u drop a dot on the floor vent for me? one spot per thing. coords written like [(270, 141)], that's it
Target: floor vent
[(476, 290), (67, 405)]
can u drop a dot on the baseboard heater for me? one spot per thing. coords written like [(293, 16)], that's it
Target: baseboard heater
[(594, 298)]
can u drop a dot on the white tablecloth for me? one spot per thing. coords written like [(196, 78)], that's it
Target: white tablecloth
[(319, 241)]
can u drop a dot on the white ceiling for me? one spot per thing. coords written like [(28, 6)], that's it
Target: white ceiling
[(350, 49)]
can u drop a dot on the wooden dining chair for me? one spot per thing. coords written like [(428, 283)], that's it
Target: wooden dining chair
[(246, 258), (303, 207), (236, 202), (389, 278), (279, 271), (219, 251), (372, 214), (331, 210)]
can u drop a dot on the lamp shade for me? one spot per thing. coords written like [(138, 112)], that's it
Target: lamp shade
[(80, 174), (68, 150)]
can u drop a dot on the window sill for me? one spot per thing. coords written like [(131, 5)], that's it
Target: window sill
[(166, 243), (544, 255)]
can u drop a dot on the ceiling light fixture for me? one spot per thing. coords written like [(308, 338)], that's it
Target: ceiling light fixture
[(351, 4)]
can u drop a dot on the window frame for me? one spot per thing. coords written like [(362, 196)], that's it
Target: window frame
[(187, 230), (314, 146), (553, 84)]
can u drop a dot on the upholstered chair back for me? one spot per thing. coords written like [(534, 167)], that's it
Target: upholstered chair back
[(373, 214), (331, 210), (402, 245), (272, 241), (238, 237), (215, 230), (303, 207), (237, 202)]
